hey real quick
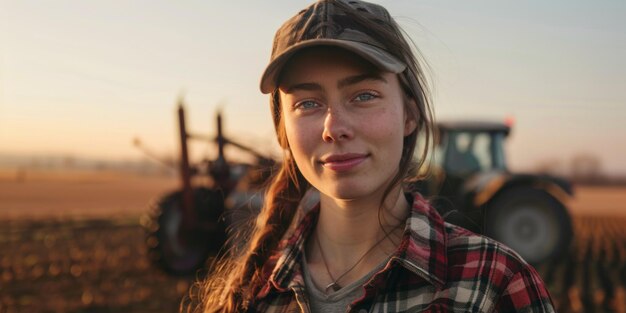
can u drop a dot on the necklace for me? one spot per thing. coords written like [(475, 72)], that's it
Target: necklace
[(334, 285)]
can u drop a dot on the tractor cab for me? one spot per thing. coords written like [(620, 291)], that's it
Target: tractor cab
[(464, 150), (468, 148)]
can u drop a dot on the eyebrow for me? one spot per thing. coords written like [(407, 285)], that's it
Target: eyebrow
[(344, 82), (359, 78)]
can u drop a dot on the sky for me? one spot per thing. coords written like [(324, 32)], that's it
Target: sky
[(83, 78)]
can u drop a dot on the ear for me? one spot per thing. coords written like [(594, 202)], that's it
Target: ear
[(410, 124)]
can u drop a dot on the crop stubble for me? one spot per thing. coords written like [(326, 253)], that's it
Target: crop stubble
[(98, 263)]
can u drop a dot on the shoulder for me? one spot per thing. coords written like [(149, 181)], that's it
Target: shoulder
[(468, 272), (467, 248), (487, 268)]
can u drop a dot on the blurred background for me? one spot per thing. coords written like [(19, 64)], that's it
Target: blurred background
[(89, 136)]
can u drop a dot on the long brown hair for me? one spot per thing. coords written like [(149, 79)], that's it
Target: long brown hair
[(234, 280)]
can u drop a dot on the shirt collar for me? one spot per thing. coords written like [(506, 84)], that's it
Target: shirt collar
[(421, 251), (283, 268), (423, 248)]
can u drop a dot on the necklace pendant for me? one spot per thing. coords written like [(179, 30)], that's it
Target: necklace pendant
[(334, 286)]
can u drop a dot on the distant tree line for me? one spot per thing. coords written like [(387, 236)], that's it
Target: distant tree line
[(583, 169)]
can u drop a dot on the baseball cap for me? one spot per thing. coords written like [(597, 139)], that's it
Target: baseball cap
[(325, 23)]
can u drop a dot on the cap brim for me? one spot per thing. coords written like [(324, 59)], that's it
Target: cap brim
[(378, 57)]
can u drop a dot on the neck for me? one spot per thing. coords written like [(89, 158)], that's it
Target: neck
[(358, 221), (349, 231)]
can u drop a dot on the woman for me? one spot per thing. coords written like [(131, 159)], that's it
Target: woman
[(348, 100)]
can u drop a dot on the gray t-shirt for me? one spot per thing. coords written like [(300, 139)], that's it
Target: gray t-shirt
[(335, 301)]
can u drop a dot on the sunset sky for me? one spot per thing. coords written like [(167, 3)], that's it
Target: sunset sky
[(83, 78)]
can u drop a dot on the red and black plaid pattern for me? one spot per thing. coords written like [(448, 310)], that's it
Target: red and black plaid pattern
[(438, 267)]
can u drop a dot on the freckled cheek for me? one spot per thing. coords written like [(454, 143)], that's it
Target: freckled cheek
[(387, 137), (386, 133), (302, 144), (382, 124)]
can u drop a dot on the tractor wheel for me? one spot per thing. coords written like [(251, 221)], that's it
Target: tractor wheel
[(165, 245), (531, 222)]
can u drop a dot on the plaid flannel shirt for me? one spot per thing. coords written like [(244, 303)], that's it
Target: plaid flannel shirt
[(438, 267)]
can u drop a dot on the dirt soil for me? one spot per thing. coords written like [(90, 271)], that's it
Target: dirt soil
[(75, 194), (599, 201), (72, 242)]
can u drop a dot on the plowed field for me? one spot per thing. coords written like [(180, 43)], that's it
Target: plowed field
[(51, 261), (592, 278), (94, 265)]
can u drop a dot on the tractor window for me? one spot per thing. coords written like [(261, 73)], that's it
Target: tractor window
[(468, 152), (497, 148), (481, 150)]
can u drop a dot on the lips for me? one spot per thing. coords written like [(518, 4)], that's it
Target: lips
[(343, 162)]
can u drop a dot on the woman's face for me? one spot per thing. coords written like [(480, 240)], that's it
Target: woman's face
[(344, 121)]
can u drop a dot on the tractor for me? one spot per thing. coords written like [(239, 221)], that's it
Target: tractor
[(471, 186), (188, 226)]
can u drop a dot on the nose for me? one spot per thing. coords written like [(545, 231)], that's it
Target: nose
[(337, 126)]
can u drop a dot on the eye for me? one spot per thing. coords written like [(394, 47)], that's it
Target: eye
[(366, 96), (306, 105)]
